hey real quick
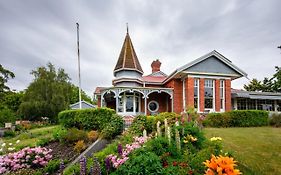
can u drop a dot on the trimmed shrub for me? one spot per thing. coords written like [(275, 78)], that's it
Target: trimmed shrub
[(9, 133), (103, 120), (88, 119), (238, 118), (217, 120), (275, 119)]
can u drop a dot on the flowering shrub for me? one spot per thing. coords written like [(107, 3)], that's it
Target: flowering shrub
[(79, 146), (221, 165), (116, 161), (189, 138), (8, 147), (25, 158), (216, 139)]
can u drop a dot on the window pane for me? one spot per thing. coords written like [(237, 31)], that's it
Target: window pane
[(208, 103), (120, 104), (137, 104), (129, 104), (195, 102)]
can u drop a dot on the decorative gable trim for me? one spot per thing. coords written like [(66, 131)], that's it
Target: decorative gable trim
[(204, 57)]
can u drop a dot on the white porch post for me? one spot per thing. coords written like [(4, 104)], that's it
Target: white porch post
[(145, 105), (235, 103), (116, 99)]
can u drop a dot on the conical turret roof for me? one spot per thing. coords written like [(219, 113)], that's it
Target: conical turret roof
[(128, 59)]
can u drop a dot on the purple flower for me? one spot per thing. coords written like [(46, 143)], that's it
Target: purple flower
[(107, 163), (120, 149)]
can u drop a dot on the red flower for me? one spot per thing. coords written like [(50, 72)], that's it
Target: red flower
[(175, 163)]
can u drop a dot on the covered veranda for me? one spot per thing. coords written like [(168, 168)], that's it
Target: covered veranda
[(137, 100)]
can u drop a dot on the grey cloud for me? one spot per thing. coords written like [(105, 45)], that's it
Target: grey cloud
[(176, 32)]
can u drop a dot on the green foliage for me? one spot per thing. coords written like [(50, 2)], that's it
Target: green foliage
[(158, 145), (6, 116), (102, 119), (142, 162), (59, 133), (74, 135), (52, 166), (217, 120), (275, 120), (88, 119), (170, 116), (47, 95), (74, 96), (140, 123), (113, 128), (238, 118), (272, 84), (9, 133), (196, 162), (43, 142), (5, 75)]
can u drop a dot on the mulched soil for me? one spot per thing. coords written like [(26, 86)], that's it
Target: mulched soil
[(62, 151)]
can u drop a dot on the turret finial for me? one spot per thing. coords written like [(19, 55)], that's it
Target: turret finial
[(127, 28)]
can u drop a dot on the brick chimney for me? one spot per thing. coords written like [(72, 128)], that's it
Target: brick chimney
[(155, 65)]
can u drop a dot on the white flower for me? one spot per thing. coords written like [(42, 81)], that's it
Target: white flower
[(1, 149), (18, 141), (10, 144), (4, 144), (11, 149)]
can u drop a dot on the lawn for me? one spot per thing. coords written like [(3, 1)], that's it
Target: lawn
[(31, 137), (257, 149)]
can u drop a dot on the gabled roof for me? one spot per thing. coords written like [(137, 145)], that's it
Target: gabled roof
[(84, 103), (128, 59), (204, 57)]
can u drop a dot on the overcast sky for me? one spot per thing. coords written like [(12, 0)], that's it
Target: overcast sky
[(34, 32)]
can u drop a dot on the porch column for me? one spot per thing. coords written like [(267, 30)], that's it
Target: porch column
[(145, 105), (116, 100), (275, 105), (101, 102)]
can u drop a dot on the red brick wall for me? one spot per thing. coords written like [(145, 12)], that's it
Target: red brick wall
[(217, 95), (227, 95), (189, 92), (201, 95), (177, 85), (161, 99)]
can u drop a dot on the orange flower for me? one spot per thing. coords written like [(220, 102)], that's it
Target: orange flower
[(221, 165)]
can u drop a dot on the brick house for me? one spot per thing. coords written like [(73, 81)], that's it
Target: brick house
[(204, 84)]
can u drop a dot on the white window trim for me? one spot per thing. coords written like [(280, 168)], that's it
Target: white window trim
[(214, 100), (124, 97), (223, 95), (198, 93)]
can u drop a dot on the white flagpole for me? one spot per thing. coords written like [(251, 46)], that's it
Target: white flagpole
[(79, 76)]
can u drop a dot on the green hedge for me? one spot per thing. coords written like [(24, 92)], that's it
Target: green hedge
[(237, 118), (102, 119)]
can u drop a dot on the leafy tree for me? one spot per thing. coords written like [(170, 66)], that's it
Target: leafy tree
[(74, 98), (12, 100), (47, 95), (272, 84), (5, 75), (254, 85), (276, 79)]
